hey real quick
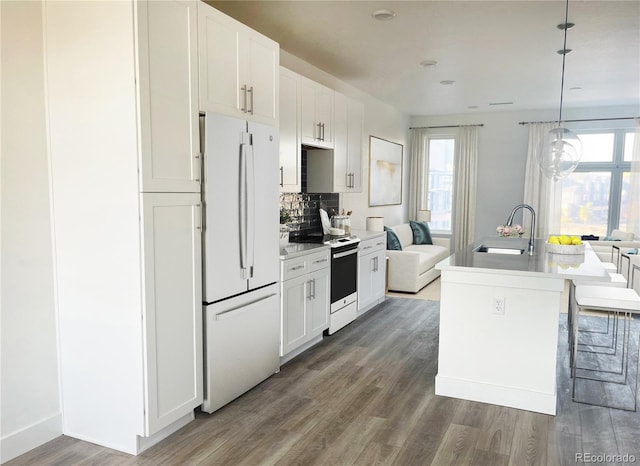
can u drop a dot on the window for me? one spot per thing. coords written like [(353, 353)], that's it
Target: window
[(595, 197), (440, 176)]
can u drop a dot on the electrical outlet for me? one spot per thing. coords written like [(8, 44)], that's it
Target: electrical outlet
[(498, 305)]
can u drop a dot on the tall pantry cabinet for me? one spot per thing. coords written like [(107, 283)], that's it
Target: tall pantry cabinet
[(122, 97)]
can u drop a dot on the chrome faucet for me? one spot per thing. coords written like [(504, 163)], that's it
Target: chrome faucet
[(533, 222)]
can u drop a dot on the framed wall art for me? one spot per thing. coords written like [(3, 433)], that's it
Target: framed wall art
[(385, 172)]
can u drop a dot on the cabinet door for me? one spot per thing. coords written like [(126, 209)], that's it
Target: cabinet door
[(366, 265), (168, 87), (172, 311), (378, 279), (309, 130), (316, 110), (261, 57), (341, 175), (290, 149), (295, 296), (324, 113), (320, 302), (355, 120), (219, 52)]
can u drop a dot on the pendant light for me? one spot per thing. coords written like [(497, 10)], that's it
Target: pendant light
[(562, 148)]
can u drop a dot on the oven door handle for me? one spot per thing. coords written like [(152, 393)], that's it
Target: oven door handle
[(338, 255)]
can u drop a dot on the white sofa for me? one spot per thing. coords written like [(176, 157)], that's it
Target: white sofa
[(412, 269)]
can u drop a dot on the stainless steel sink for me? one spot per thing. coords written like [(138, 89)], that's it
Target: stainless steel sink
[(495, 250)]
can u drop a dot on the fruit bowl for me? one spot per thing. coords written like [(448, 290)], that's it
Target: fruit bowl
[(565, 248)]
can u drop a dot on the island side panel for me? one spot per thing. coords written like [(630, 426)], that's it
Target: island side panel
[(507, 360)]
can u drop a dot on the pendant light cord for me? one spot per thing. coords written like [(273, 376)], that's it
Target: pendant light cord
[(564, 56)]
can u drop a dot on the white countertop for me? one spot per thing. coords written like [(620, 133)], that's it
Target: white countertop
[(299, 249), (367, 234), (585, 266)]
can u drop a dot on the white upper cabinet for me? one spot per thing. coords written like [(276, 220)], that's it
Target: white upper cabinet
[(239, 68), (290, 146), (341, 171), (316, 114), (168, 93)]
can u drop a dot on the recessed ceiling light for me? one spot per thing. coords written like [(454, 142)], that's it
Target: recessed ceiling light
[(576, 88), (383, 15), (447, 82), (427, 63), (500, 103), (472, 106)]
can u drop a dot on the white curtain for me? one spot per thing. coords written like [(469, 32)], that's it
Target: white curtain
[(540, 192), (464, 184), (633, 222), (418, 179)]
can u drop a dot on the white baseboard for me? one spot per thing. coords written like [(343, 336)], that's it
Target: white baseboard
[(289, 356), (30, 437), (528, 400)]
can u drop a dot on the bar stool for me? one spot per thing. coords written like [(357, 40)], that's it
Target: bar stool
[(612, 300), (617, 280)]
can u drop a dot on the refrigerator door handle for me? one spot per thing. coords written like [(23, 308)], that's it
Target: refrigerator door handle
[(251, 207), (243, 211)]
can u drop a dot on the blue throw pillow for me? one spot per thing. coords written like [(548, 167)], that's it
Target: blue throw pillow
[(393, 242), (421, 232)]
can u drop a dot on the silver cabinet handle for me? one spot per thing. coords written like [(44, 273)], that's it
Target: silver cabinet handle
[(313, 288), (250, 91), (244, 99), (319, 131), (297, 267), (376, 269), (380, 243), (281, 176), (309, 290), (320, 261), (323, 131), (367, 247), (198, 167)]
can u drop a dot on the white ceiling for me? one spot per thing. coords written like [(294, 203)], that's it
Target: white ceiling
[(495, 51)]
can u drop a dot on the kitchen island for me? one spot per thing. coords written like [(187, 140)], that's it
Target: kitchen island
[(499, 315)]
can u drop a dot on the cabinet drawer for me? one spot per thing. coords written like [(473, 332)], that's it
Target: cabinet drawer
[(371, 245), (318, 260), (292, 268)]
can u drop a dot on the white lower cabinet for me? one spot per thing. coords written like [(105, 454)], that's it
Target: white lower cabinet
[(305, 299), (371, 272), (172, 312)]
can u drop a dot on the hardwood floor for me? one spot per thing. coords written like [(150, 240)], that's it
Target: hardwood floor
[(366, 396)]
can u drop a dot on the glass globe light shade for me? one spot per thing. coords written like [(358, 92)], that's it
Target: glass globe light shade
[(560, 153)]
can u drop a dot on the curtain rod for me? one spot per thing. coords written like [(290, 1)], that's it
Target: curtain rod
[(573, 121), (446, 126)]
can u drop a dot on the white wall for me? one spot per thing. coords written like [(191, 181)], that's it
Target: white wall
[(380, 120), (502, 152), (30, 410)]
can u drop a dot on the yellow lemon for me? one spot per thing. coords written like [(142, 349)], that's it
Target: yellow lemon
[(576, 241), (564, 239), (553, 240)]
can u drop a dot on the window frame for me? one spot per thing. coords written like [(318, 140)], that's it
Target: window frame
[(424, 202), (617, 167)]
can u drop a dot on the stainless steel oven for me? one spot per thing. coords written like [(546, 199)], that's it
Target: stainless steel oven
[(344, 284), (344, 276)]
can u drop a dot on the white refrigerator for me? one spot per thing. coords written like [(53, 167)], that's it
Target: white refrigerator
[(240, 256)]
